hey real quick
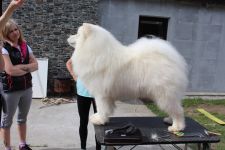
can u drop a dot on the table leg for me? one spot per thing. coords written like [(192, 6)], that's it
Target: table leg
[(206, 146), (98, 145)]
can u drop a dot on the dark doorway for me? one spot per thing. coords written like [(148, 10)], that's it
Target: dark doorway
[(153, 26)]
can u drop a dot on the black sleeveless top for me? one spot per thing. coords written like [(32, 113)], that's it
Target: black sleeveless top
[(16, 83)]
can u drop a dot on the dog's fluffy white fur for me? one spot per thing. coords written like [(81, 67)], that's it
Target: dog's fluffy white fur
[(148, 68)]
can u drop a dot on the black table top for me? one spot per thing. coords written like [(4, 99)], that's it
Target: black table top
[(151, 126)]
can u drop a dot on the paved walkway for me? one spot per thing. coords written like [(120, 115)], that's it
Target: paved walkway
[(56, 127)]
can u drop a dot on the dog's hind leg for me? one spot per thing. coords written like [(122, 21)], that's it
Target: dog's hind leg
[(175, 111), (177, 116), (105, 107)]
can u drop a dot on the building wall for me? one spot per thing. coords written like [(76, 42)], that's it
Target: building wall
[(196, 28), (48, 23)]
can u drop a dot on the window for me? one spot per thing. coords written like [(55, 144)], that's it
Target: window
[(153, 26)]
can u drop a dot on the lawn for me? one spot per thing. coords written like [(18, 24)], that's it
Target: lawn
[(215, 107)]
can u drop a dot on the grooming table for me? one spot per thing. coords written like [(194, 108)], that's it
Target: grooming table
[(152, 126)]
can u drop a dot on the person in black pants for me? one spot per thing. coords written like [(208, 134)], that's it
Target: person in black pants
[(84, 104), (84, 101)]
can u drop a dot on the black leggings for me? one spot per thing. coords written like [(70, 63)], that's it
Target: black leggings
[(84, 104)]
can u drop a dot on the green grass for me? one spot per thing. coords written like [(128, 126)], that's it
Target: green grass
[(190, 110)]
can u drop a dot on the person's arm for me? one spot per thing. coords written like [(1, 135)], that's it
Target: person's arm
[(69, 67), (32, 66), (21, 69), (13, 70), (14, 4)]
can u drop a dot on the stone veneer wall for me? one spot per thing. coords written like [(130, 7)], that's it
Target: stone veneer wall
[(48, 23)]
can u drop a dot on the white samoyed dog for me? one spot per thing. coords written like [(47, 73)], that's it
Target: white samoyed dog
[(148, 68)]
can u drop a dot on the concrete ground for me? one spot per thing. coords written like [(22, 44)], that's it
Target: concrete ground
[(55, 127)]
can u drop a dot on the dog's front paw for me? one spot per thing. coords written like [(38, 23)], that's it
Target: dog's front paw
[(97, 119)]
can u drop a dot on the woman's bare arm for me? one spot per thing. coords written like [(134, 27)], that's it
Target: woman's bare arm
[(69, 67), (13, 70), (14, 4)]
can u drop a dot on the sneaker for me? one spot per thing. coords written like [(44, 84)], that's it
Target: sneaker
[(25, 147)]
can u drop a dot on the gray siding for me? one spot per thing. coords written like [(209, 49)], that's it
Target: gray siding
[(197, 30)]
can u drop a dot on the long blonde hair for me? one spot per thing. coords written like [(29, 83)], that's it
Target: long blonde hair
[(6, 30)]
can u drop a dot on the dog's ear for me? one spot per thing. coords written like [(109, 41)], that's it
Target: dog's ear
[(87, 27)]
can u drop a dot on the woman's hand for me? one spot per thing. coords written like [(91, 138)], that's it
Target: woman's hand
[(16, 3)]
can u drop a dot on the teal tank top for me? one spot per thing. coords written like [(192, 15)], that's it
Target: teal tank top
[(81, 90)]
